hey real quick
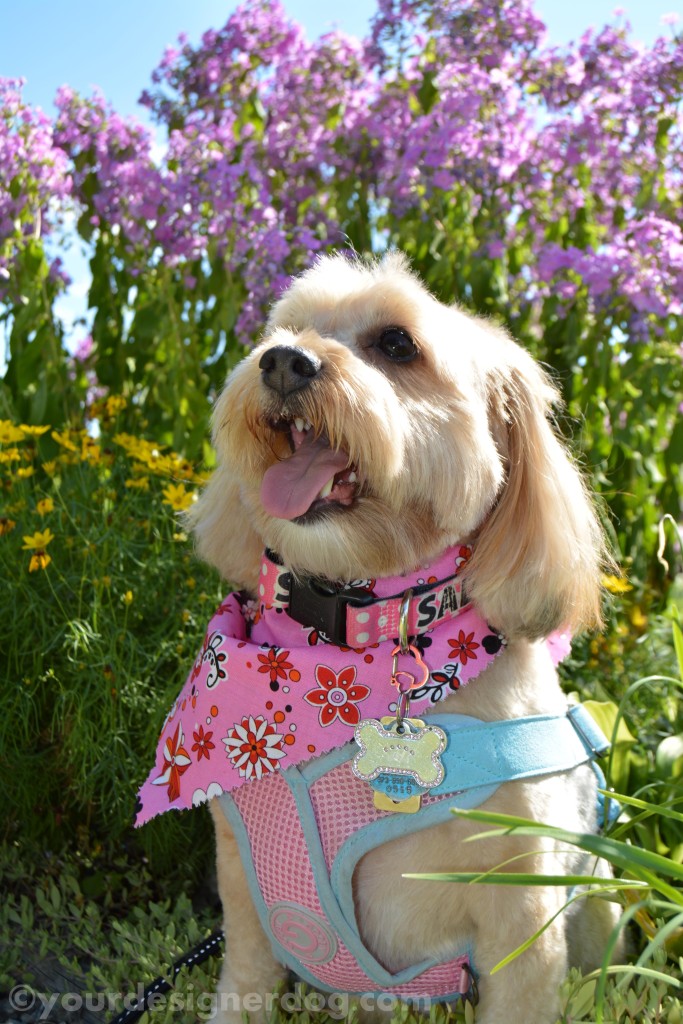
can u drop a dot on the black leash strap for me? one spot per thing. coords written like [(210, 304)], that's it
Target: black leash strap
[(201, 952)]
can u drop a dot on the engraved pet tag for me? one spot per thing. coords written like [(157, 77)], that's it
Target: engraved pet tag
[(399, 793), (411, 749), (397, 787)]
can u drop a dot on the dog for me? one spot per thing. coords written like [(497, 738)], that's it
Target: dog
[(371, 430)]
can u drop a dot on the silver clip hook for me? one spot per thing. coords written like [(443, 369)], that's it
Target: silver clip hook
[(402, 709), (403, 701)]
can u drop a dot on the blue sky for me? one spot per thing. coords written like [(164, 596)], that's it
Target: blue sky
[(116, 46)]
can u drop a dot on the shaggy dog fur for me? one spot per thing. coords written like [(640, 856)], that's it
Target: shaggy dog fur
[(449, 438)]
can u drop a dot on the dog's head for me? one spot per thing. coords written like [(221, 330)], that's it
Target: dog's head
[(375, 426)]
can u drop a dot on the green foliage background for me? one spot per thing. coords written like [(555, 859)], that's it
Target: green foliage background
[(96, 645)]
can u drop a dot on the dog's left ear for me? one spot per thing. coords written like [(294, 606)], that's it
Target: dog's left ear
[(537, 559)]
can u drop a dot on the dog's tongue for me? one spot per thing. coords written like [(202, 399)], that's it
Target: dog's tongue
[(290, 487)]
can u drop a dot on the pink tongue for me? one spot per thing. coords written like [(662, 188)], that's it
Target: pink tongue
[(290, 487)]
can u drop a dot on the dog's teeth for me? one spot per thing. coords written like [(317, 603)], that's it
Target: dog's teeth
[(327, 489), (299, 423), (352, 477), (307, 424)]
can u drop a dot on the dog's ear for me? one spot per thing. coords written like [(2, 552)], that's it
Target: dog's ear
[(223, 534), (537, 559)]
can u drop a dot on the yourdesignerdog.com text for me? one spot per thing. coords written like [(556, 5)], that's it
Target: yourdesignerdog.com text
[(40, 1005)]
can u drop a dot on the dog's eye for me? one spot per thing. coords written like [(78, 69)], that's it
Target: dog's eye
[(397, 345)]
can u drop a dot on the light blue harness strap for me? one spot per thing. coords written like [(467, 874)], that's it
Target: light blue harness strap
[(489, 753), (479, 757)]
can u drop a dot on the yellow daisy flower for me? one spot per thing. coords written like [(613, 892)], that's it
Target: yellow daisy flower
[(11, 455), (62, 438), (40, 560), (23, 472), (115, 404), (616, 584), (178, 498), (90, 450), (50, 467), (638, 618), (37, 543), (38, 540), (135, 446), (33, 431), (45, 505), (9, 432), (140, 484), (6, 525)]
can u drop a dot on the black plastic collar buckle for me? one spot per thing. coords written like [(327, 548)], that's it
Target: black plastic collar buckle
[(322, 606)]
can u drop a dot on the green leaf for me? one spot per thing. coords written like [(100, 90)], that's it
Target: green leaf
[(658, 809), (522, 878), (662, 136), (644, 864), (427, 94), (606, 714), (669, 760)]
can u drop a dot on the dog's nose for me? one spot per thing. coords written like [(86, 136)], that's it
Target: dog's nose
[(286, 368)]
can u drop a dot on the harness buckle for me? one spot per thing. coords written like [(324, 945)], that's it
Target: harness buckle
[(320, 604)]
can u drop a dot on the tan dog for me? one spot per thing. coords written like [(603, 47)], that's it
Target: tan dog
[(439, 427)]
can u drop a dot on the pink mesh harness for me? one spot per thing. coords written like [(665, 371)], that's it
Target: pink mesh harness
[(270, 703), (297, 835)]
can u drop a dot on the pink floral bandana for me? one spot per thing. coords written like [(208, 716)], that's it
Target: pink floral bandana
[(266, 692)]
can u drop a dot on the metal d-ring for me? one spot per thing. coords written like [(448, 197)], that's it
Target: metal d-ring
[(403, 612)]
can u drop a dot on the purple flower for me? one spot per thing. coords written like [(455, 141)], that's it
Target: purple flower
[(570, 159)]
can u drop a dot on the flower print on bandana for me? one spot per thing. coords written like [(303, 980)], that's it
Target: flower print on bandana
[(250, 610), (254, 747), (493, 643), (212, 656), (441, 684), (337, 695), (176, 762), (276, 665), (464, 647), (368, 584), (463, 555), (202, 743), (215, 658)]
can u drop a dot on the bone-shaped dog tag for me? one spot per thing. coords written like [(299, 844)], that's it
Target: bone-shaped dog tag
[(410, 748)]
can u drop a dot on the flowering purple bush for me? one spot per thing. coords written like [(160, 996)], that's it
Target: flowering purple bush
[(34, 190), (33, 177), (538, 184)]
